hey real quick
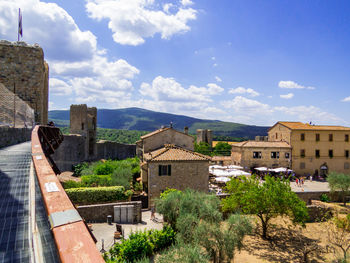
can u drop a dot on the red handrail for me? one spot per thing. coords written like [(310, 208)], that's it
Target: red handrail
[(73, 240)]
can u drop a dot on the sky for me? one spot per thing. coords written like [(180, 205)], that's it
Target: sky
[(248, 61)]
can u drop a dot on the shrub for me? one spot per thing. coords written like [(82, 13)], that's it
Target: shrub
[(324, 198), (140, 245), (96, 180), (162, 239), (103, 168), (90, 195), (77, 169), (71, 184)]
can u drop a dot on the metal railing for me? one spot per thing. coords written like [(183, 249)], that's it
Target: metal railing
[(14, 112)]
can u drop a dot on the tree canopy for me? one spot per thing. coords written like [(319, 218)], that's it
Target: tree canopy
[(339, 182), (270, 199)]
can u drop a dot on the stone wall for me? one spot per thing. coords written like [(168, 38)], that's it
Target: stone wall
[(10, 136), (308, 196), (115, 150), (25, 73), (99, 213), (73, 150)]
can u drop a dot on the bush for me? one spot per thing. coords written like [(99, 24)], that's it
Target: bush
[(103, 168), (71, 184), (140, 245), (324, 198), (162, 239), (77, 169), (93, 195), (96, 180)]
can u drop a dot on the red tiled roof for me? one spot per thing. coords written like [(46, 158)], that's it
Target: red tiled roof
[(161, 130), (171, 152), (263, 144), (306, 126)]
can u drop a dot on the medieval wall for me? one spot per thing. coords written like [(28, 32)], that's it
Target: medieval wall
[(25, 73), (10, 136)]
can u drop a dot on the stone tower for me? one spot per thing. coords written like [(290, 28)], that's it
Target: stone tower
[(24, 72), (83, 121), (204, 135)]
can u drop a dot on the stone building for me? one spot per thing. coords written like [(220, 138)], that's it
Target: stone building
[(316, 149), (81, 146), (25, 73), (173, 167), (252, 154), (205, 136), (159, 138)]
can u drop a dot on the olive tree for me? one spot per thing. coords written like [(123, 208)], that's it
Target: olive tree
[(266, 200), (339, 182)]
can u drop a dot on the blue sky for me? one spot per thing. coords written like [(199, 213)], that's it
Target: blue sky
[(252, 62)]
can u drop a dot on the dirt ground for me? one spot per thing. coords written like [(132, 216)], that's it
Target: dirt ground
[(288, 243)]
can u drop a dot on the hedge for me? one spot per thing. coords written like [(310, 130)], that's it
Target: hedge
[(93, 195)]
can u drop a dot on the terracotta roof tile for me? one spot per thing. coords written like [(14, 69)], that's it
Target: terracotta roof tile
[(171, 152), (162, 130), (262, 144), (307, 126)]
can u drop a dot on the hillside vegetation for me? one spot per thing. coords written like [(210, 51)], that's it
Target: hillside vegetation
[(146, 120)]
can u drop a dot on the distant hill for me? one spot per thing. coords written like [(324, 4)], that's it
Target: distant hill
[(146, 120)]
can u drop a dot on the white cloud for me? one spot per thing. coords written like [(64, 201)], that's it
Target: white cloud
[(213, 58), (49, 25), (248, 106), (131, 21), (186, 2), (347, 99), (218, 79), (287, 96), (215, 65), (241, 90), (59, 87), (288, 84), (310, 113), (168, 89)]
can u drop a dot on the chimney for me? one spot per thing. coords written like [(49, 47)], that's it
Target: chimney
[(186, 130)]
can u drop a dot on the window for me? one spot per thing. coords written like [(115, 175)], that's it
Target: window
[(302, 153), (317, 137), (82, 126), (275, 155), (287, 155), (276, 136), (330, 153), (257, 155), (302, 137), (346, 166), (317, 153), (164, 170), (330, 137), (302, 165), (347, 153), (346, 137)]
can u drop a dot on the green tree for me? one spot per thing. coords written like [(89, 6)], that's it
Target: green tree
[(203, 148), (197, 218), (222, 148), (270, 199), (339, 182), (221, 239)]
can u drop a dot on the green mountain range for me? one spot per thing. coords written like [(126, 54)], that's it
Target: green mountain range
[(146, 120)]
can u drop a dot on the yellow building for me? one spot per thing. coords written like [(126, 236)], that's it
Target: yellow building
[(316, 149), (252, 154)]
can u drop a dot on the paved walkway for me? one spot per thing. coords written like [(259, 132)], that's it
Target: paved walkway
[(14, 203), (106, 232), (314, 186)]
